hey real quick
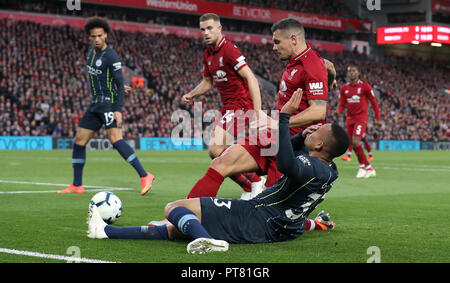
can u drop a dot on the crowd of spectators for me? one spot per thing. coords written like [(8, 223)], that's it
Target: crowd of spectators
[(44, 86), (322, 7)]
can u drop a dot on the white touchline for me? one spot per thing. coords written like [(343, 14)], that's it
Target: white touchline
[(96, 188), (56, 257)]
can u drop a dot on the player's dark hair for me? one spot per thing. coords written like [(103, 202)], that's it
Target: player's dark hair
[(97, 22), (288, 24), (209, 16), (340, 141)]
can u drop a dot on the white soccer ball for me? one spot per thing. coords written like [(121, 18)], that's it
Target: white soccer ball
[(109, 206)]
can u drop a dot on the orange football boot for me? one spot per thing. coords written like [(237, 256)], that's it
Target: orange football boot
[(146, 183), (72, 189)]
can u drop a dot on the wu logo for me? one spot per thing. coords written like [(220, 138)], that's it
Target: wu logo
[(318, 85), (73, 5)]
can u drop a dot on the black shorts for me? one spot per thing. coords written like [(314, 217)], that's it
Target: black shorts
[(97, 115), (235, 221)]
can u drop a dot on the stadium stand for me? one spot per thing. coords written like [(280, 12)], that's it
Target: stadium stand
[(43, 83)]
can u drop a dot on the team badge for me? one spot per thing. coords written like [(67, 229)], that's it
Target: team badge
[(98, 63)]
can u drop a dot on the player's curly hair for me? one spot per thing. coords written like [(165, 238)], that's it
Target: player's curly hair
[(97, 22)]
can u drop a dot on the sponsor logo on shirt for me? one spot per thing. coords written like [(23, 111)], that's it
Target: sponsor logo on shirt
[(354, 99), (316, 88), (93, 71), (220, 76)]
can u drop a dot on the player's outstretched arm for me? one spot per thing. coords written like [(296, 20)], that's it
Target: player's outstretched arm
[(286, 161), (315, 113), (203, 87), (253, 86)]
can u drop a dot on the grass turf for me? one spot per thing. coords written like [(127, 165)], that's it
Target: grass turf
[(403, 211)]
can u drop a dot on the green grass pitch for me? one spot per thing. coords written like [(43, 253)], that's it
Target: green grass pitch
[(403, 212)]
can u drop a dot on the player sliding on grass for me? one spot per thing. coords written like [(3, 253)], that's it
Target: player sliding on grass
[(106, 80), (225, 67), (279, 213)]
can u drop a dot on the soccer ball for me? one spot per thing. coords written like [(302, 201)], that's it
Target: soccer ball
[(109, 206)]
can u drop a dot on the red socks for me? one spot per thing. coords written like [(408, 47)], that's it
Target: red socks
[(242, 181), (253, 177), (314, 225), (362, 159), (208, 185)]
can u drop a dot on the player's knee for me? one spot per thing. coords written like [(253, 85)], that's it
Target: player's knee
[(81, 139), (170, 206), (224, 164), (215, 150)]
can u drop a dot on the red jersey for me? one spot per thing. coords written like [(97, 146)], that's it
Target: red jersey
[(308, 72), (223, 64), (356, 97)]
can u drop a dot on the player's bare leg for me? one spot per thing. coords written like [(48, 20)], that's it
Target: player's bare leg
[(236, 159), (232, 161), (128, 154), (81, 139), (220, 140)]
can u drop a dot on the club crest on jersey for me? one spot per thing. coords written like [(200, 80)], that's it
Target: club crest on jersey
[(292, 74), (98, 63), (221, 61)]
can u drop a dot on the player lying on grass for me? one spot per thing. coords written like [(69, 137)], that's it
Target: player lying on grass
[(280, 213)]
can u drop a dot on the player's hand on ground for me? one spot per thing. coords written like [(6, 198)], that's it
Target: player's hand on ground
[(118, 118), (187, 99), (127, 89), (311, 129), (294, 102)]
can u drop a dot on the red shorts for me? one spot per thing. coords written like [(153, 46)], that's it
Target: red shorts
[(262, 148), (235, 122), (356, 129)]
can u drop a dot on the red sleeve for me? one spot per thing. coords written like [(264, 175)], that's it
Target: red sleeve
[(234, 57), (342, 101), (205, 67), (371, 96)]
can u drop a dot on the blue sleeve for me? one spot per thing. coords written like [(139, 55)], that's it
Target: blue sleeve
[(116, 67), (298, 141), (287, 163)]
